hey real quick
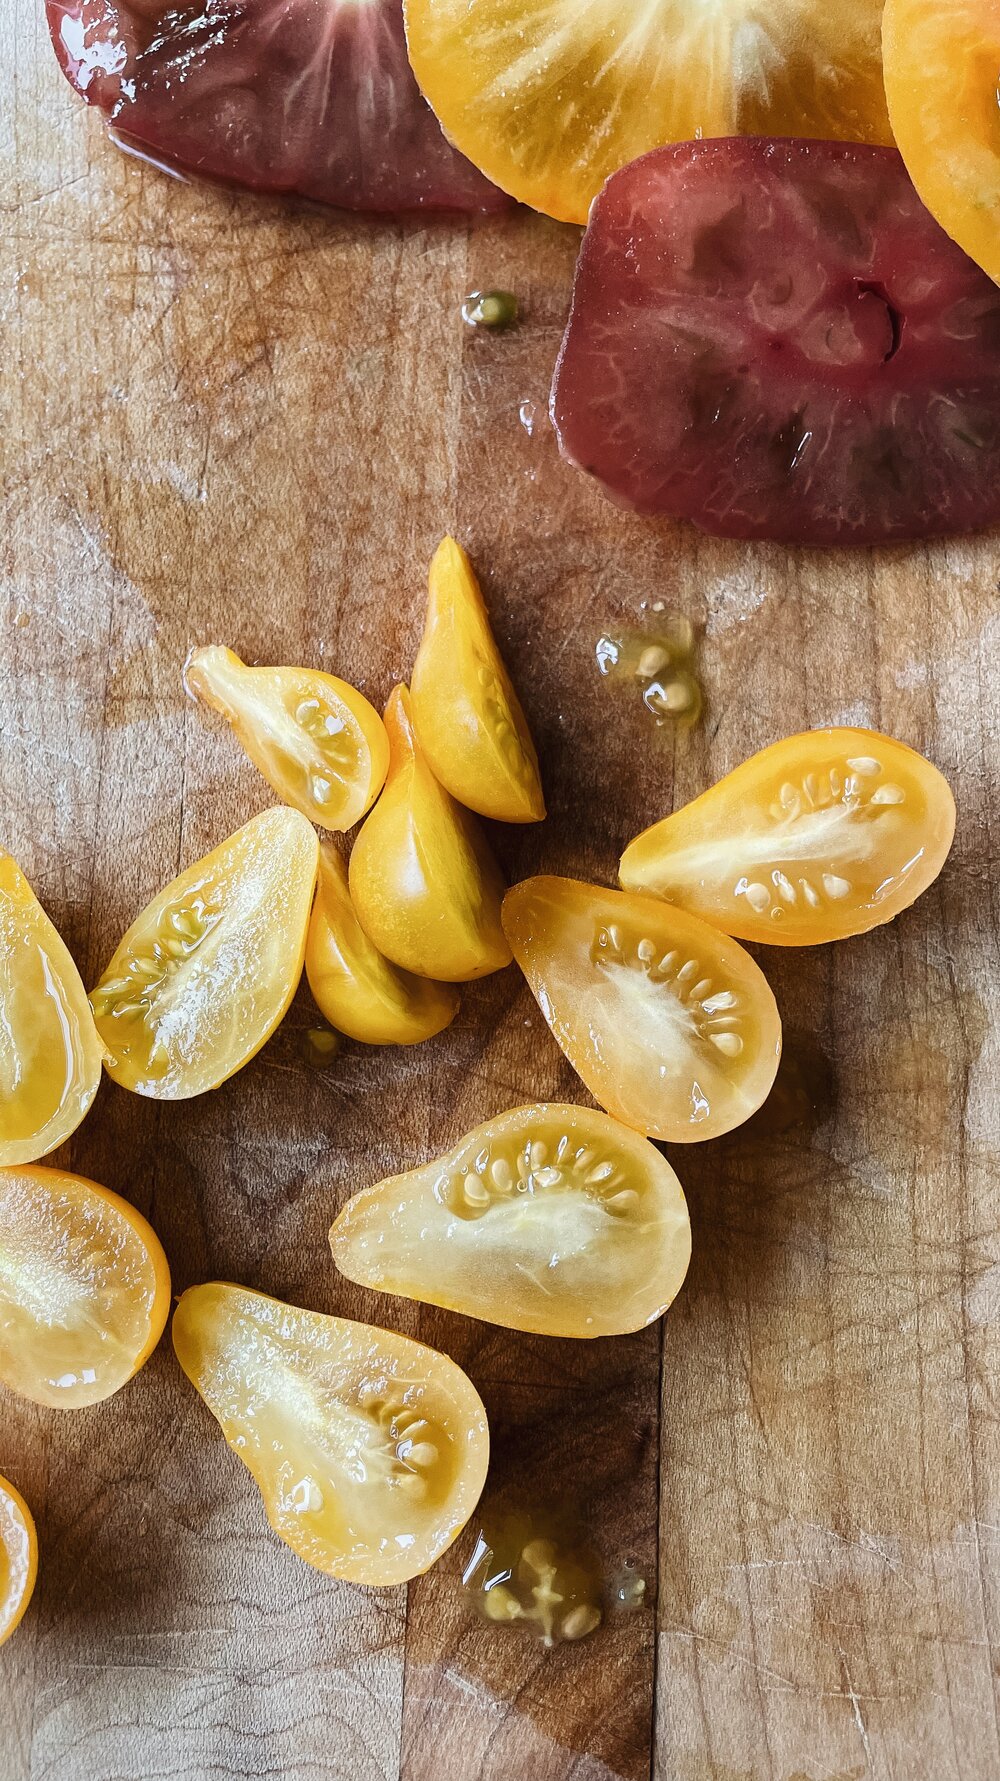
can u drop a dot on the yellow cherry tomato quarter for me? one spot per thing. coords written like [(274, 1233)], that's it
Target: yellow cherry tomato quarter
[(18, 1558)]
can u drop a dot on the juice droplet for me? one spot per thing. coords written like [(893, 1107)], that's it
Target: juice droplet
[(319, 1046), (659, 664), (490, 309), (538, 1573)]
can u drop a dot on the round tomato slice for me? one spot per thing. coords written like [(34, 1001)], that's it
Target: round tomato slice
[(942, 72), (316, 740), (552, 1219), (358, 990), (18, 1558), (465, 710), (207, 971), (816, 838), (50, 1054), (669, 1023), (369, 1450), (278, 95), (84, 1288), (776, 340)]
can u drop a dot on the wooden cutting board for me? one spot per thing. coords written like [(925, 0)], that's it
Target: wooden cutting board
[(226, 421)]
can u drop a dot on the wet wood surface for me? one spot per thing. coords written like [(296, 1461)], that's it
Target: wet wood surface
[(225, 421)]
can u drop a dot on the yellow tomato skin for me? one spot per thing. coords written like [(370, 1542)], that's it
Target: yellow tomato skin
[(551, 1219), (465, 711), (316, 740), (942, 64), (84, 1288), (670, 1024), (369, 1450), (18, 1558), (817, 838), (50, 1054), (425, 887), (208, 970), (358, 990)]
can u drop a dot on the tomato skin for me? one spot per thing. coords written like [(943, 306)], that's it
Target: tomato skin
[(560, 1194), (816, 838), (50, 1053), (670, 1024), (18, 1558), (358, 990), (369, 1450), (466, 713), (425, 886)]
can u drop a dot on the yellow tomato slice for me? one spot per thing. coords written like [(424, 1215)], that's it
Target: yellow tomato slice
[(465, 710), (358, 990), (942, 72), (209, 968), (84, 1288), (424, 884), (816, 838), (551, 1219), (549, 97), (50, 1054), (18, 1558), (316, 740), (669, 1023), (369, 1450)]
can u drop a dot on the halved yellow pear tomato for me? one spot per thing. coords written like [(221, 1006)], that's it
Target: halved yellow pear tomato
[(369, 1450), (358, 990), (553, 1219), (207, 971), (316, 740), (84, 1288), (18, 1558), (425, 886), (465, 711), (669, 1023), (816, 838), (50, 1054)]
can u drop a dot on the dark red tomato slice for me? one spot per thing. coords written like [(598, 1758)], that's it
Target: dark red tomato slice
[(776, 340), (314, 97)]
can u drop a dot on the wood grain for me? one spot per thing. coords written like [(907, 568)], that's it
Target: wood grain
[(227, 421)]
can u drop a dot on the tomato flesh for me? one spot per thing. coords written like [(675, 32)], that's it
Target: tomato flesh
[(18, 1558), (816, 838), (369, 1450), (776, 340), (84, 1288), (207, 971), (669, 1023), (551, 1219), (278, 95)]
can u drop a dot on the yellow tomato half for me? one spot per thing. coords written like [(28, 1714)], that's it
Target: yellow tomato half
[(669, 1023), (465, 711), (84, 1288), (316, 740), (18, 1558), (816, 838), (369, 1450), (209, 968), (425, 887), (552, 1219), (50, 1054)]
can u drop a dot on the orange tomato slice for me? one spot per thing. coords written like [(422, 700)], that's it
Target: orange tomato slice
[(942, 72), (207, 971), (816, 838), (465, 710), (552, 1219), (425, 887), (669, 1023), (358, 990), (316, 740), (84, 1288), (369, 1450), (50, 1054), (550, 97), (18, 1558)]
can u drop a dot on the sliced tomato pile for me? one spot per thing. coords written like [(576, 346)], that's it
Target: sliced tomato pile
[(775, 339), (279, 95)]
